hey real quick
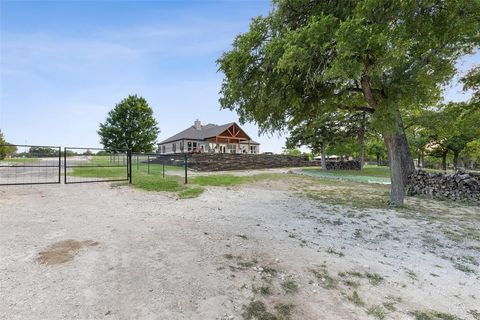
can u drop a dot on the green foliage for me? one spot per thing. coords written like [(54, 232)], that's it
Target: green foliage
[(130, 126), (42, 151), (337, 130), (6, 149), (309, 59), (471, 81), (291, 151), (375, 148), (451, 128)]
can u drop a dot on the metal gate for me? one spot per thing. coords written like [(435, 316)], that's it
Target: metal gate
[(84, 165), (27, 164)]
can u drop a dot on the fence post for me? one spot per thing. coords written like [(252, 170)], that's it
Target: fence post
[(163, 167), (59, 165), (129, 166), (137, 162), (65, 164), (148, 164), (185, 164)]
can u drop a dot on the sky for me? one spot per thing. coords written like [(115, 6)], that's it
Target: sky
[(65, 64)]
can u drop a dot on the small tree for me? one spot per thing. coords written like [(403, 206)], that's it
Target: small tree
[(130, 126), (318, 133), (292, 152), (6, 149)]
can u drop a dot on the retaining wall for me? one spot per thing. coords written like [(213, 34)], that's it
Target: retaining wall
[(226, 161)]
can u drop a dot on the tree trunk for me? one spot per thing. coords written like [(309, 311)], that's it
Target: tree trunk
[(422, 158), (378, 159), (400, 159), (455, 159), (362, 142), (324, 161), (444, 161)]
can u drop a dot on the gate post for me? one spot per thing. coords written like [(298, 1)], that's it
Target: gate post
[(129, 166), (59, 165), (185, 164), (65, 164)]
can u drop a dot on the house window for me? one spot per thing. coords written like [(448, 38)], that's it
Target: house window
[(191, 146), (181, 146), (163, 149), (253, 149), (174, 147)]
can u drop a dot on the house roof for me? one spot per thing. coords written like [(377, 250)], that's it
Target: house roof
[(207, 131)]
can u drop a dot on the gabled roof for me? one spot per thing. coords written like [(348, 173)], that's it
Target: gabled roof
[(207, 131)]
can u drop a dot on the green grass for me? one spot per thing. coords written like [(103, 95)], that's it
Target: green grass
[(377, 312), (374, 278), (290, 286), (231, 180), (325, 279), (153, 182), (434, 315), (99, 172), (257, 310), (189, 193), (355, 299), (369, 174), (217, 180), (284, 311)]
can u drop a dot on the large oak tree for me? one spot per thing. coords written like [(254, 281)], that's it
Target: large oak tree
[(381, 56)]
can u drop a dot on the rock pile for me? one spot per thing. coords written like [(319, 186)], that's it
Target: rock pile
[(459, 186), (343, 165)]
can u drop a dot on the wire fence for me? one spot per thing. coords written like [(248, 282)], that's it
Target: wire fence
[(28, 164), (172, 166), (83, 165)]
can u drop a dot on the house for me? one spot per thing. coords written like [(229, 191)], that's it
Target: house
[(210, 138)]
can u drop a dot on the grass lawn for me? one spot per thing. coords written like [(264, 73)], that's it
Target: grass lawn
[(231, 180), (99, 172), (141, 179), (369, 174), (167, 184)]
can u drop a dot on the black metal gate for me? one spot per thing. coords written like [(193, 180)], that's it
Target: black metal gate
[(27, 164), (84, 165)]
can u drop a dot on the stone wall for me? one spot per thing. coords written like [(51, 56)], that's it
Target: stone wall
[(458, 186), (226, 161)]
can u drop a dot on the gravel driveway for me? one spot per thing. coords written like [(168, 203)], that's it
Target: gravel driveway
[(100, 251)]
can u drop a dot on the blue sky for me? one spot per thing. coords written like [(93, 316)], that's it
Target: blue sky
[(65, 64)]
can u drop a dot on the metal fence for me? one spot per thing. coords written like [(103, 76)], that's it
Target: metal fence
[(28, 164), (172, 166), (43, 164), (83, 165)]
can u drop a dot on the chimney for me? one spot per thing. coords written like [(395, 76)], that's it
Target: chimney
[(198, 124)]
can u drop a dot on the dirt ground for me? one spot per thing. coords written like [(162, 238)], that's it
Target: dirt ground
[(100, 251)]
